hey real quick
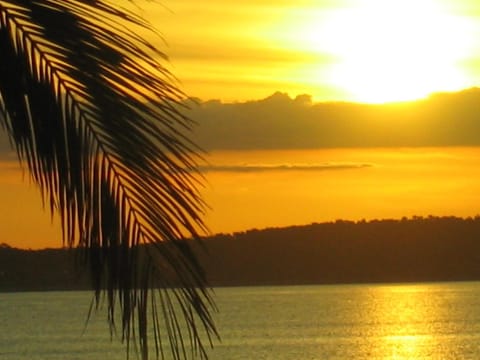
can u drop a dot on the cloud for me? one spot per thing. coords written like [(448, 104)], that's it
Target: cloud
[(246, 168), (282, 122)]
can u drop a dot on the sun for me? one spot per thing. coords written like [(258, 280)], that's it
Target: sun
[(387, 51)]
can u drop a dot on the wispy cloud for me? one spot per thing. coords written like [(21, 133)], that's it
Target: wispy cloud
[(244, 168)]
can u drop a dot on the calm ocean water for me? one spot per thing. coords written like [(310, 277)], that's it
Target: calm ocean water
[(401, 321)]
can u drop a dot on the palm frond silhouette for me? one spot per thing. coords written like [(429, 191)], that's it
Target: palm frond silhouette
[(93, 114)]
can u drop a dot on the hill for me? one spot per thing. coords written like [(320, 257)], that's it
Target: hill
[(406, 250)]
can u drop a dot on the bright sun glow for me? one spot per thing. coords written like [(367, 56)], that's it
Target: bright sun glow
[(393, 50)]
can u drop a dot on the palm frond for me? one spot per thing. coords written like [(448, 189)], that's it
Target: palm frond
[(94, 115)]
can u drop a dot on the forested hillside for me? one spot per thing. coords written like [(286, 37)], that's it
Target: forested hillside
[(416, 249)]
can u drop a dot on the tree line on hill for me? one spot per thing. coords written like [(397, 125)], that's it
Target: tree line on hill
[(407, 250)]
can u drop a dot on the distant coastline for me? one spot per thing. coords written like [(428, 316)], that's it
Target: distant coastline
[(417, 249)]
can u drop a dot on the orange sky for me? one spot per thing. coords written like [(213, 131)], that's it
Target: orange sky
[(345, 50), (295, 187), (24, 221), (330, 184), (362, 50)]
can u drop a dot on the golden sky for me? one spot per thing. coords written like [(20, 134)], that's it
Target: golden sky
[(371, 51), (360, 50), (258, 189)]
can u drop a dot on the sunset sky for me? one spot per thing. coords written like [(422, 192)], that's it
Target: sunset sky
[(360, 50), (278, 156)]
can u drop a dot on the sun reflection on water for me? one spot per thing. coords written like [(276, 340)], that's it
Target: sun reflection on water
[(359, 322), (405, 322)]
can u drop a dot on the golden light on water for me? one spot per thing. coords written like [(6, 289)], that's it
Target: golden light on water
[(404, 322)]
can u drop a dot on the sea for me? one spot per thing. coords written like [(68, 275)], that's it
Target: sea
[(367, 321)]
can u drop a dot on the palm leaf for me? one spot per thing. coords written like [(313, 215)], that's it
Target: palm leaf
[(94, 115)]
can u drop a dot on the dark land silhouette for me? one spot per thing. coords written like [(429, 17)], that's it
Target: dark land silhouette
[(418, 249)]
